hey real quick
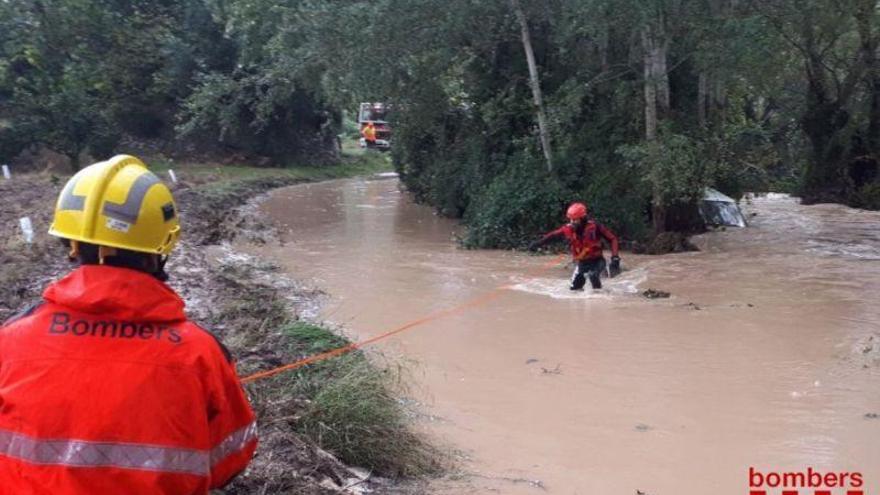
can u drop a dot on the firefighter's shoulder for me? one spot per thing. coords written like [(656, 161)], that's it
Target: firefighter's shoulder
[(206, 338), (22, 313)]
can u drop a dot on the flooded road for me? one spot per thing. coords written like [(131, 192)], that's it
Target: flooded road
[(763, 357)]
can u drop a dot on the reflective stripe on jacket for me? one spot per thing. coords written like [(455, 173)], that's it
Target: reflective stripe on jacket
[(107, 388)]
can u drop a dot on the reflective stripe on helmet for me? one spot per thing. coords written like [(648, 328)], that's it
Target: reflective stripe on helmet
[(70, 201), (128, 211), (81, 453)]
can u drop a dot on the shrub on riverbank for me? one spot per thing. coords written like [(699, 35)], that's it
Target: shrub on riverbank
[(353, 410)]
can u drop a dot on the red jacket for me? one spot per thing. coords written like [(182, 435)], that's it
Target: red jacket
[(106, 388), (585, 245)]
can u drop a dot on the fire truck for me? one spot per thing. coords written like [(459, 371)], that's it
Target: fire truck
[(375, 113)]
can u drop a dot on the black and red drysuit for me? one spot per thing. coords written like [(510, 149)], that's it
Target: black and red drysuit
[(585, 241)]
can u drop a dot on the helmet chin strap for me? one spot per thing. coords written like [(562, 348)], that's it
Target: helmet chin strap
[(105, 252), (160, 273), (74, 250)]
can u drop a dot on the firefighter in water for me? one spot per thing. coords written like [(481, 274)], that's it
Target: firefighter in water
[(585, 239), (369, 133), (105, 386)]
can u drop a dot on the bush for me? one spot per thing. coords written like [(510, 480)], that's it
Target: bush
[(12, 142), (619, 202), (238, 110), (672, 165), (518, 204), (868, 196), (350, 128)]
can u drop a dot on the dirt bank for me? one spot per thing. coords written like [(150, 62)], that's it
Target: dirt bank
[(247, 303)]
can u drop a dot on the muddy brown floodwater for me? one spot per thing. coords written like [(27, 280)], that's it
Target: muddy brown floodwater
[(766, 354)]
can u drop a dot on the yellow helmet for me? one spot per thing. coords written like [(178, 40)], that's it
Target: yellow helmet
[(118, 203)]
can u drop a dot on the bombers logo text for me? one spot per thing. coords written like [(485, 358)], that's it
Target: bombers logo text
[(809, 482), (62, 324)]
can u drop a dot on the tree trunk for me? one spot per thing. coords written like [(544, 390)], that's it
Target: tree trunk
[(650, 86), (661, 76), (535, 83), (822, 124), (603, 49), (658, 217), (873, 139), (719, 95), (656, 95), (702, 98), (711, 97), (710, 88)]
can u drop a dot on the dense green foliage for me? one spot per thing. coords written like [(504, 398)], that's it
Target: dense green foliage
[(77, 75), (645, 103)]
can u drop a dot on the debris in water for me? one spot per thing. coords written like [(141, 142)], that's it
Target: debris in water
[(655, 294), (516, 481), (555, 371), (693, 306)]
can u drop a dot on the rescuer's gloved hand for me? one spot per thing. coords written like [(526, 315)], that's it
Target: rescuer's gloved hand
[(614, 268), (534, 246)]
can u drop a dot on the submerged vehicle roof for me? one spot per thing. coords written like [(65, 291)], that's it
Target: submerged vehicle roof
[(715, 195)]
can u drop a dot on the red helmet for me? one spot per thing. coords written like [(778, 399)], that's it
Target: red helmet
[(576, 211)]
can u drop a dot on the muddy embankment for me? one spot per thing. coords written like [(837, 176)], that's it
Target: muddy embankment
[(243, 300)]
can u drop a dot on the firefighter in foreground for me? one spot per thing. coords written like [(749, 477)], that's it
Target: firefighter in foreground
[(105, 386), (585, 239)]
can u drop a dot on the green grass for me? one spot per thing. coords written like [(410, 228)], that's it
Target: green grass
[(350, 406), (354, 162), (313, 339)]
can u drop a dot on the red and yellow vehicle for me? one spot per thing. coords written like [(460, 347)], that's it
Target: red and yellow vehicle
[(375, 114)]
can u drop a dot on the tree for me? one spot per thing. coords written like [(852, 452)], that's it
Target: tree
[(836, 44), (535, 83), (56, 85), (269, 101)]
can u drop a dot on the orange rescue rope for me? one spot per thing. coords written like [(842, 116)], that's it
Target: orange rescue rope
[(476, 301)]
